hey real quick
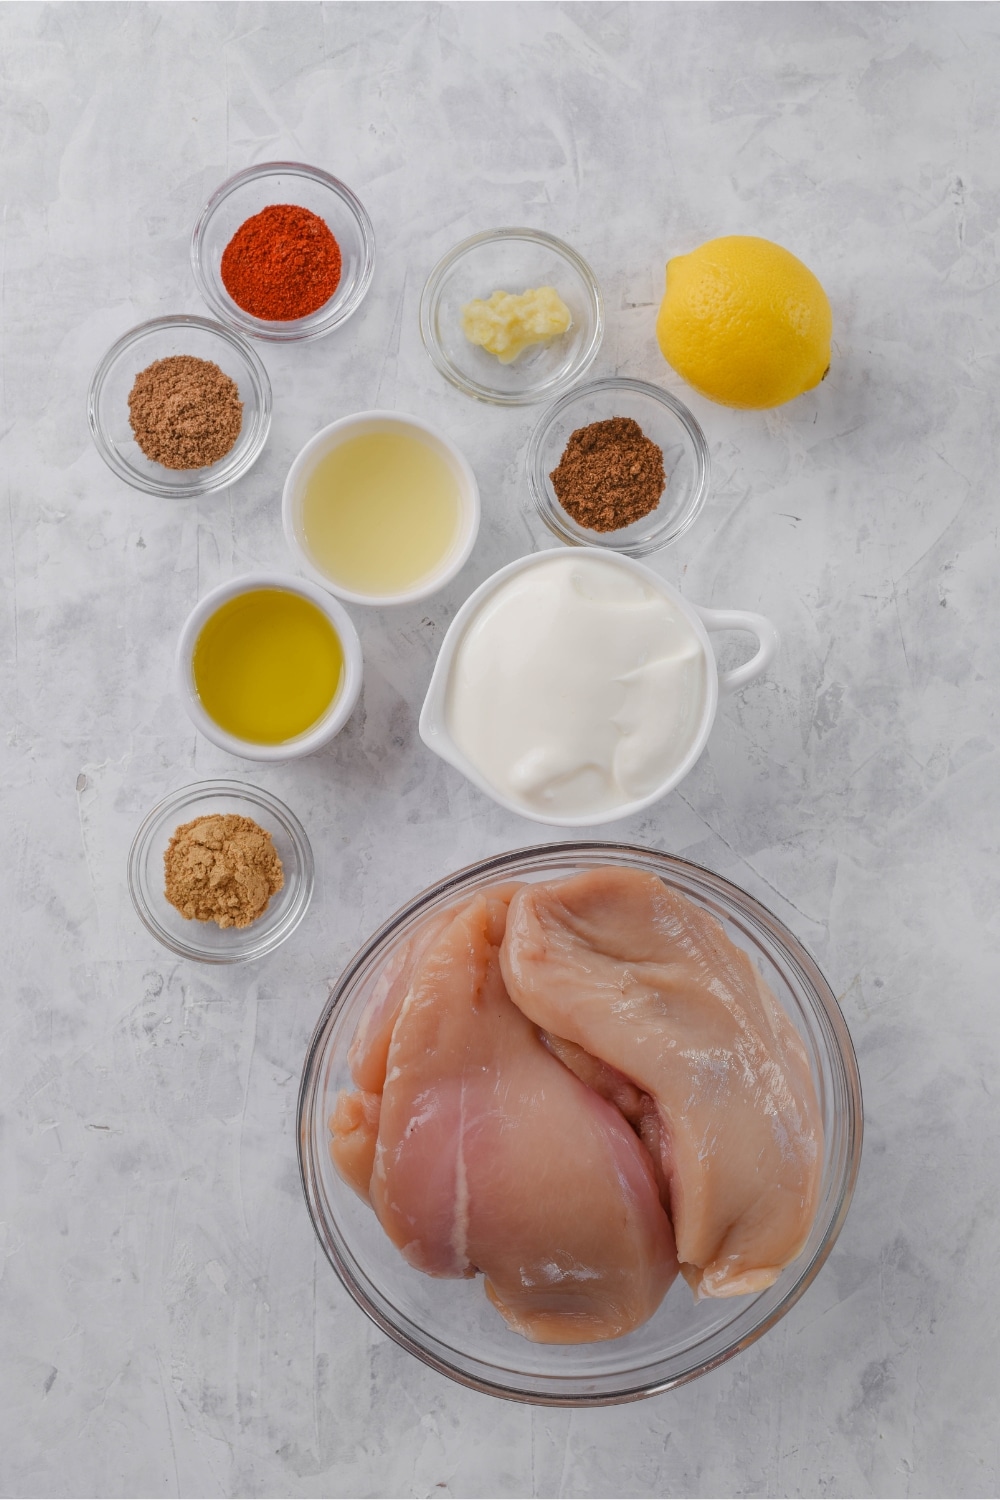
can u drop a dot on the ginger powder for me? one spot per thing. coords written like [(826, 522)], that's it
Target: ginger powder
[(222, 868)]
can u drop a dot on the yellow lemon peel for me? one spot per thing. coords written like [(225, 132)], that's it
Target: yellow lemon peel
[(744, 322)]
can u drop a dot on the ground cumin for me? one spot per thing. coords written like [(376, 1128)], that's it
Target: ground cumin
[(610, 475), (185, 412), (222, 868)]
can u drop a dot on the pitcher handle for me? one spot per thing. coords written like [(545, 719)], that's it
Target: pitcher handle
[(756, 625)]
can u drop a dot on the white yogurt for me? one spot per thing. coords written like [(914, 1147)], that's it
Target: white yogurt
[(577, 687)]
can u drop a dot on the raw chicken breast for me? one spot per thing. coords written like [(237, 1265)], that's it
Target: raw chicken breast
[(353, 1130), (370, 1047), (354, 1123), (649, 985), (639, 1109), (492, 1156)]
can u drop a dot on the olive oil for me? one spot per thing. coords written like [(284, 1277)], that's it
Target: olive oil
[(267, 665), (381, 512)]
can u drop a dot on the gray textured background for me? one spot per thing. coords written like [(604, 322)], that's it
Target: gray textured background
[(169, 1325)]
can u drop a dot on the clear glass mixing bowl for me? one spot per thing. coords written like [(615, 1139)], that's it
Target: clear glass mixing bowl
[(450, 1325)]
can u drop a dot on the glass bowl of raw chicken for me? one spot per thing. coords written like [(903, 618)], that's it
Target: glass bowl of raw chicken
[(579, 1123)]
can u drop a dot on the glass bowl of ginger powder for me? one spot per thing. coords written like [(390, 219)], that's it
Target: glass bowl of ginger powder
[(153, 876), (203, 410)]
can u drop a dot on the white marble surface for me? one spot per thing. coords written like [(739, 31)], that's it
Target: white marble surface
[(169, 1324)]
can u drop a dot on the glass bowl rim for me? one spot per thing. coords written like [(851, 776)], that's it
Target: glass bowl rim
[(171, 805), (314, 325), (802, 964), (221, 478), (432, 290), (693, 430)]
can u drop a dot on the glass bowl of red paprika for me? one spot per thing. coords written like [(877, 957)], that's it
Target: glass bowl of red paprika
[(283, 252)]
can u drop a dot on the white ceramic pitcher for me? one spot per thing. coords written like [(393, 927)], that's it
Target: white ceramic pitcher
[(433, 716)]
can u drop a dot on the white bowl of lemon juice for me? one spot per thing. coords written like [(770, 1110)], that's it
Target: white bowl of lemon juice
[(269, 666), (381, 508)]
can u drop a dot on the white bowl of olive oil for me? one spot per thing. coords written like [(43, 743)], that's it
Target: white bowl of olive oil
[(381, 508), (269, 667)]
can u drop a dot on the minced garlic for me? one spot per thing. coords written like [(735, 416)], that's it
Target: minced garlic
[(509, 322)]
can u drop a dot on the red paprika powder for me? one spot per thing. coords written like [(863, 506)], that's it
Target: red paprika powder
[(282, 263)]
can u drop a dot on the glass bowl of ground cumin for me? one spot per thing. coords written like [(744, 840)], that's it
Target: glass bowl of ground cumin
[(590, 439), (201, 937), (201, 402), (283, 252)]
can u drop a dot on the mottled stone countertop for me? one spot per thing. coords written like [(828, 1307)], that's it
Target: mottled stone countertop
[(170, 1326)]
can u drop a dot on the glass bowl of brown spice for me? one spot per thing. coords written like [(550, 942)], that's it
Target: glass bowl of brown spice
[(220, 872), (180, 406), (618, 463)]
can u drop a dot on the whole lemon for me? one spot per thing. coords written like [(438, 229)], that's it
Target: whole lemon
[(745, 322)]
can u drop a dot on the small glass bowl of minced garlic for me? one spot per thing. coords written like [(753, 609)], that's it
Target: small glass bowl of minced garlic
[(512, 316), (220, 872)]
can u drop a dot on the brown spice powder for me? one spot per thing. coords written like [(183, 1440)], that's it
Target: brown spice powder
[(185, 412), (610, 475), (222, 868)]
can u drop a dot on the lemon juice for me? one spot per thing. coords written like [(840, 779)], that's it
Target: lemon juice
[(267, 665), (381, 512)]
